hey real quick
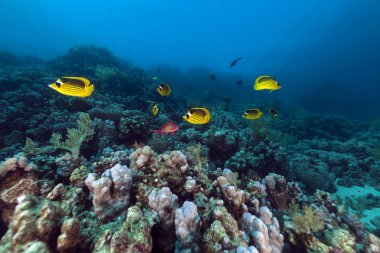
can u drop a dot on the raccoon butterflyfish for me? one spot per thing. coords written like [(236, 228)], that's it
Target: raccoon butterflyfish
[(233, 63), (164, 89), (266, 83), (273, 112), (212, 76), (73, 86), (252, 114), (198, 116), (155, 109)]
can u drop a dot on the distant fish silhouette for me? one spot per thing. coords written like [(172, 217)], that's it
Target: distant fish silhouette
[(233, 63), (273, 112), (212, 76), (239, 82), (226, 99)]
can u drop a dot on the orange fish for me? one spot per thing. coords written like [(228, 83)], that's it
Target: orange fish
[(167, 128)]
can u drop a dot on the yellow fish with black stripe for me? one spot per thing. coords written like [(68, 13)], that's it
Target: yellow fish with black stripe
[(155, 109), (73, 86), (164, 89), (198, 116), (252, 114), (266, 83)]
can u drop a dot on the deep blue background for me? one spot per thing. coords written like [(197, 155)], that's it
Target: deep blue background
[(324, 53)]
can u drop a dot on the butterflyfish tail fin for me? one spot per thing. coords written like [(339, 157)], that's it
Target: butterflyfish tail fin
[(91, 88)]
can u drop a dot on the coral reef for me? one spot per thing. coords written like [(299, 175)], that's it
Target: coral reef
[(33, 222), (70, 235), (88, 175), (264, 231), (165, 203), (134, 126), (111, 192), (266, 156), (132, 236), (187, 228)]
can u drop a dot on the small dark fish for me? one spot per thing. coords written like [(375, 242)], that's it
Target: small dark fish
[(273, 112), (239, 82), (189, 87), (212, 76), (233, 63), (226, 99)]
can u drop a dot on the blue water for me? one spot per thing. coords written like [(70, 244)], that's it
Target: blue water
[(324, 53)]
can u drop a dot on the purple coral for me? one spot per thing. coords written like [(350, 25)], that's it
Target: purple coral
[(277, 190), (235, 197), (111, 192), (264, 231), (164, 202), (188, 225), (142, 157), (19, 161)]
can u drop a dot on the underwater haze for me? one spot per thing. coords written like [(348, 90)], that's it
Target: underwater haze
[(325, 53)]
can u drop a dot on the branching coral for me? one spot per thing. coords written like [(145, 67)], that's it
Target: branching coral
[(73, 142), (32, 148), (307, 220), (197, 157), (75, 136)]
